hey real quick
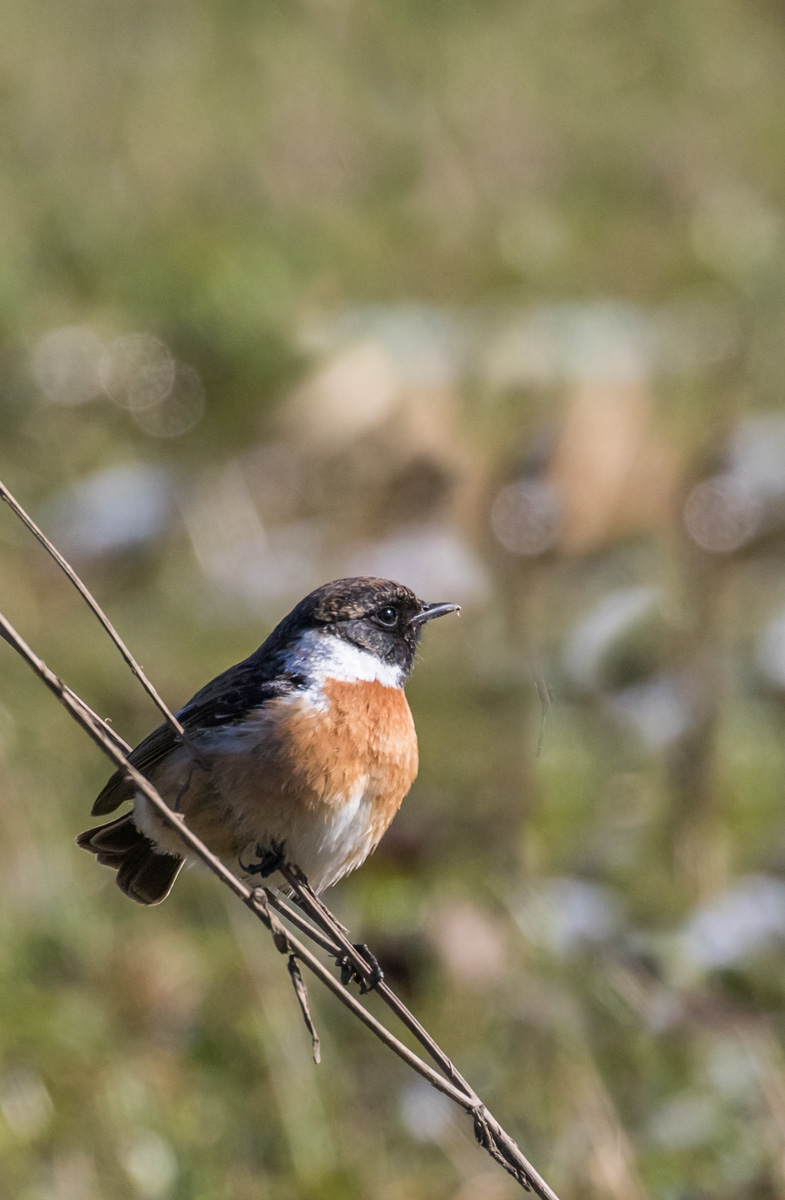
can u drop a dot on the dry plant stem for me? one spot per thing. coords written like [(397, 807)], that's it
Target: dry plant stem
[(299, 921), (95, 607), (487, 1130), (489, 1133), (301, 992), (112, 734), (321, 913)]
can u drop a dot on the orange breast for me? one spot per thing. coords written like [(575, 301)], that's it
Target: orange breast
[(309, 757), (292, 764), (374, 723)]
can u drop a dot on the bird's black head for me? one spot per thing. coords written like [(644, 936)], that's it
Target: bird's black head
[(376, 615)]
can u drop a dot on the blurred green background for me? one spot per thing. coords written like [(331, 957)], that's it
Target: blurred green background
[(489, 298)]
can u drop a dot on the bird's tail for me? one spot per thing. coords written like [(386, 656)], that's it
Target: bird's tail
[(143, 873)]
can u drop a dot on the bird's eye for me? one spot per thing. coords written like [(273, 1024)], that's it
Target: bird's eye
[(387, 616)]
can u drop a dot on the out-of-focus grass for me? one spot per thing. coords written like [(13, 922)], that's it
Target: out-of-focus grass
[(416, 255)]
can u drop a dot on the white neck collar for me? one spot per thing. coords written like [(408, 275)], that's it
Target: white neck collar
[(332, 657)]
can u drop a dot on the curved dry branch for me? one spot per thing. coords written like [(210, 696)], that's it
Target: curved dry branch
[(95, 607)]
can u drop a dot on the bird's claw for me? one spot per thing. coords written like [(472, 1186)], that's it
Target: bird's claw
[(270, 858), (350, 973)]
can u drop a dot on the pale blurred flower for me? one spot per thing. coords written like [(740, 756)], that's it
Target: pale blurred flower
[(685, 1121), (595, 340), (25, 1103), (565, 914), (660, 709), (425, 344), (757, 454), (734, 1068), (113, 509), (353, 393), (614, 616), (746, 918), (427, 1115), (151, 1164), (434, 558), (727, 511)]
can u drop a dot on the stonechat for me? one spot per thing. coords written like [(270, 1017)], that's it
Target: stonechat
[(304, 750)]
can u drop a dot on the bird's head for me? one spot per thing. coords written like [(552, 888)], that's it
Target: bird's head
[(378, 617)]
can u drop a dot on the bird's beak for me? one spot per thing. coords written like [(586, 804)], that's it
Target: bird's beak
[(429, 611)]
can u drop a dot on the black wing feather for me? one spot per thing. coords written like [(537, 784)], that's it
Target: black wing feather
[(225, 700)]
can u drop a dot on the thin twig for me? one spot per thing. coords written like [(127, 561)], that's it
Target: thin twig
[(299, 922), (120, 742), (111, 733), (95, 607), (301, 992), (487, 1130), (321, 913)]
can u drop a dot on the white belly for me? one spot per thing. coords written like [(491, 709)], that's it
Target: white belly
[(324, 845)]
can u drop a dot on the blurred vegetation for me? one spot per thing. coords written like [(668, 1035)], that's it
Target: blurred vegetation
[(490, 298)]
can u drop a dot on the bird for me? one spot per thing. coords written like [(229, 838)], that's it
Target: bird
[(301, 753)]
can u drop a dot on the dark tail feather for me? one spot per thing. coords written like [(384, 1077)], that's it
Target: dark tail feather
[(142, 872)]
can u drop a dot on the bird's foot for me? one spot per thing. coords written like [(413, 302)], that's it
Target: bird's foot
[(269, 859), (350, 973)]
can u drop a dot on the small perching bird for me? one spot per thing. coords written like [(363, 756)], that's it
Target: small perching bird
[(304, 750)]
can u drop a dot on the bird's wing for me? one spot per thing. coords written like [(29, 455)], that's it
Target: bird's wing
[(146, 755), (226, 700)]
